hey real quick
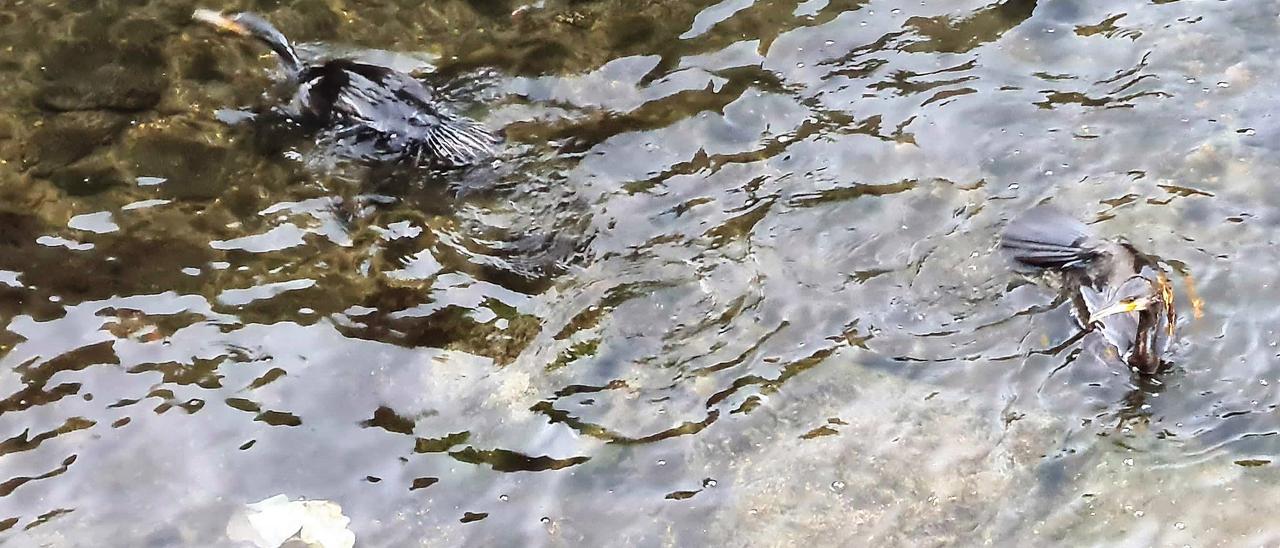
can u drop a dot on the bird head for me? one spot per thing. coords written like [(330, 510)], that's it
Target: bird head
[(252, 25), (1136, 294)]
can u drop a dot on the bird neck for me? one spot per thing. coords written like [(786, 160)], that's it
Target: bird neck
[(1146, 347), (276, 40), (288, 57)]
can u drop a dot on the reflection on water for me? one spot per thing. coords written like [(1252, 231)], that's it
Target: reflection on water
[(732, 280)]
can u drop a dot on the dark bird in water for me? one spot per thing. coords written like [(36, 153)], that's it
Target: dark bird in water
[(389, 107), (1113, 287)]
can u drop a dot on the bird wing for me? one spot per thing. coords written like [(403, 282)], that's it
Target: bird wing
[(1045, 237), (384, 100), (400, 107)]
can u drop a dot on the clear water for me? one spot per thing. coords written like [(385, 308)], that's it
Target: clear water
[(732, 282)]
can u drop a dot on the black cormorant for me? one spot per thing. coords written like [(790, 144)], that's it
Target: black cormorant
[(397, 111), (1113, 286)]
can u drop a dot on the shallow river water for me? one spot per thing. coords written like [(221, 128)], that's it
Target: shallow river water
[(732, 280)]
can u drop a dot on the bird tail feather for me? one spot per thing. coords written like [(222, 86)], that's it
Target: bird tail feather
[(459, 141)]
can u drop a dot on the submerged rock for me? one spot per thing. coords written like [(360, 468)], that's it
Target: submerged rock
[(191, 167), (66, 138), (91, 75), (86, 178)]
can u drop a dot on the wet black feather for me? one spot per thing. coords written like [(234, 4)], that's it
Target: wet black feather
[(1045, 237)]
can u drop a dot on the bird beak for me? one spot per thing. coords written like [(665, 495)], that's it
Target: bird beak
[(1118, 308), (220, 21)]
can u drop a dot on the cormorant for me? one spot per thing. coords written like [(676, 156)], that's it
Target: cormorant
[(1113, 286), (365, 100)]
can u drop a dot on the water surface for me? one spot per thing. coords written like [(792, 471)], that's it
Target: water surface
[(732, 280)]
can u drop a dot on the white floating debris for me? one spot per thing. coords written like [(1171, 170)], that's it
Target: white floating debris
[(272, 522), (395, 231), (57, 241), (97, 223), (10, 278), (143, 204), (240, 297)]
